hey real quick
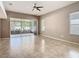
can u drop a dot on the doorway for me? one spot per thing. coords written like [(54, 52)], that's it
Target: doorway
[(22, 26)]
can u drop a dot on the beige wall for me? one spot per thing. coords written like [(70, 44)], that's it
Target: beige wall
[(5, 31), (0, 28), (4, 28), (20, 15), (57, 23)]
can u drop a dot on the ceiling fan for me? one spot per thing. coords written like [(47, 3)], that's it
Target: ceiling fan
[(37, 7)]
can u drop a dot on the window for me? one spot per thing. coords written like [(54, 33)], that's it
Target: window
[(22, 25), (74, 23), (17, 25), (42, 25)]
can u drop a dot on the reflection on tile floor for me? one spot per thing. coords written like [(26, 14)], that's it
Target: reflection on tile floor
[(31, 46)]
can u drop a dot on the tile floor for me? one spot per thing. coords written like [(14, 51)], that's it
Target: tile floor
[(30, 46)]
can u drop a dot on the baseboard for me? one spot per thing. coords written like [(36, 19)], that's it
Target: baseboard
[(59, 39)]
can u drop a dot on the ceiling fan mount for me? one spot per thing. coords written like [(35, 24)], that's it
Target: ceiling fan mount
[(36, 7)]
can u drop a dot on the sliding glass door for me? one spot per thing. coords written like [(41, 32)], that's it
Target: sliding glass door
[(19, 26)]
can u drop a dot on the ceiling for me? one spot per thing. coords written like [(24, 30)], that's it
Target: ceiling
[(27, 6)]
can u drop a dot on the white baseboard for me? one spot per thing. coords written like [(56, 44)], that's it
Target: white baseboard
[(60, 39)]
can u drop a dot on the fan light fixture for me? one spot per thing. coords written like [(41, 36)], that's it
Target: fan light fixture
[(36, 7)]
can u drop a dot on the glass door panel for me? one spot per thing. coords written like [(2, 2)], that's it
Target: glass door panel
[(26, 26), (22, 26)]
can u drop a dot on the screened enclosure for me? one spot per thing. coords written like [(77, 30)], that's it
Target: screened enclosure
[(21, 26)]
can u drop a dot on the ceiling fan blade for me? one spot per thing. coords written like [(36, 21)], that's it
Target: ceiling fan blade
[(40, 7)]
